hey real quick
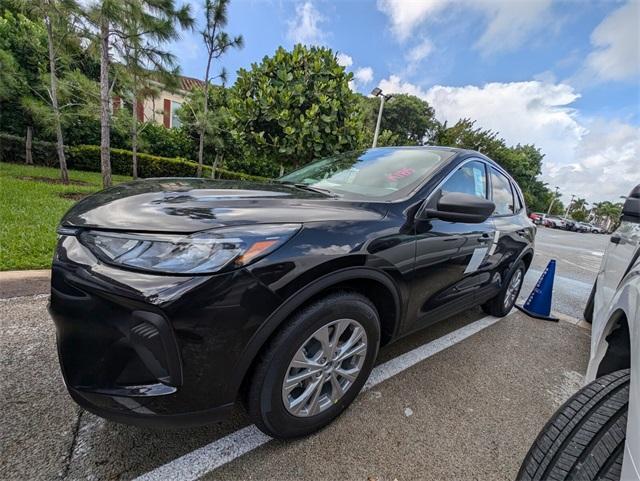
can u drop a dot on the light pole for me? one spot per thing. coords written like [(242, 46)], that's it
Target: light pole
[(555, 196), (566, 212), (377, 92)]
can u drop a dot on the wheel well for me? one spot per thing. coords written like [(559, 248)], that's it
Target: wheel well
[(527, 258), (618, 355), (379, 295)]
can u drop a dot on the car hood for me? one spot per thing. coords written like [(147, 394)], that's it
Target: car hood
[(190, 205)]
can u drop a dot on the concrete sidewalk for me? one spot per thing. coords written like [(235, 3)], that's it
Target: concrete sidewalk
[(24, 283)]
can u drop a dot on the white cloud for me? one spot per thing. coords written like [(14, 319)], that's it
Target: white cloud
[(617, 44), (406, 15), (522, 112), (305, 27), (594, 158), (510, 22), (344, 60), (395, 85), (420, 51), (364, 75), (605, 164)]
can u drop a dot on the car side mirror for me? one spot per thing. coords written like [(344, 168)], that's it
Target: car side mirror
[(459, 207), (631, 207)]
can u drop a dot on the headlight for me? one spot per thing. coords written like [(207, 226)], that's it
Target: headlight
[(199, 253)]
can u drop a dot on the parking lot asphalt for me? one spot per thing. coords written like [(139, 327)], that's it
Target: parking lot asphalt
[(465, 407)]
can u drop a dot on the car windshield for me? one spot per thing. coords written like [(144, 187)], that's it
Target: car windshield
[(374, 173)]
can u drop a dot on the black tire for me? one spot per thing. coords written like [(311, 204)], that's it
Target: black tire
[(584, 439), (264, 400), (495, 306)]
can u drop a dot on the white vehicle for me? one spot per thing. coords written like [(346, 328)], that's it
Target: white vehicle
[(585, 438)]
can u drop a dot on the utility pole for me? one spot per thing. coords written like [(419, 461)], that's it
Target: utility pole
[(566, 212), (377, 92), (553, 201)]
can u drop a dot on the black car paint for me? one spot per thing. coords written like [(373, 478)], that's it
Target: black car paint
[(412, 269)]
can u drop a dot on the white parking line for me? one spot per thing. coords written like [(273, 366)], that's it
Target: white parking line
[(203, 460)]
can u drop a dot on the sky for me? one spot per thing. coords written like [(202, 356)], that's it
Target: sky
[(563, 75)]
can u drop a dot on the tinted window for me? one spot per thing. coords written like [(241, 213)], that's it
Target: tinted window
[(501, 193), (517, 199), (374, 173), (469, 179)]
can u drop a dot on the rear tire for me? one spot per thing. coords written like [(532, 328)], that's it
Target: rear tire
[(504, 301), (330, 381), (585, 438)]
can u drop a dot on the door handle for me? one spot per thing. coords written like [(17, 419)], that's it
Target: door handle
[(483, 238)]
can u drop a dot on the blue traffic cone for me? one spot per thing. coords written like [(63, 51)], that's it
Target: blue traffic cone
[(538, 304)]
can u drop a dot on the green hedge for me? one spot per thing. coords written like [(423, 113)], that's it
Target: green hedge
[(87, 157), (12, 149)]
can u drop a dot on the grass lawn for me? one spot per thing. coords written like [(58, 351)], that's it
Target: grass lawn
[(31, 205)]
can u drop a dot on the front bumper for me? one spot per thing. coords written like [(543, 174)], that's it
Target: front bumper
[(152, 349)]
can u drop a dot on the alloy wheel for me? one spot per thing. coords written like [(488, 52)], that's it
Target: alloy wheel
[(513, 289), (324, 368)]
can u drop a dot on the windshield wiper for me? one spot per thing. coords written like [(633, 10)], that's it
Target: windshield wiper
[(303, 186)]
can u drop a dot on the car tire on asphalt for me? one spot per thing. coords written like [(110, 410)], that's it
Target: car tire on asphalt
[(503, 302), (283, 408), (585, 438)]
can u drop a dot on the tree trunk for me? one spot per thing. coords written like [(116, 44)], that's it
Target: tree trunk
[(64, 173), (214, 167), (203, 127), (28, 157), (105, 112), (134, 137)]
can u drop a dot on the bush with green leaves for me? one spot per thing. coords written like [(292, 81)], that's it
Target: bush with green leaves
[(158, 140), (12, 149), (87, 157), (295, 106)]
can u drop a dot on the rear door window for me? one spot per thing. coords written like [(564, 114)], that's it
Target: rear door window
[(501, 194)]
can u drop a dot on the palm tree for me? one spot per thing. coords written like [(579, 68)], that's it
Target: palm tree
[(145, 62), (608, 213), (217, 42), (112, 20), (55, 14)]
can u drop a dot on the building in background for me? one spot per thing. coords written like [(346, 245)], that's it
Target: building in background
[(163, 105)]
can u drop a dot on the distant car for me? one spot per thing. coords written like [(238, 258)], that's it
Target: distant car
[(585, 438), (537, 217), (584, 227), (570, 225), (554, 222)]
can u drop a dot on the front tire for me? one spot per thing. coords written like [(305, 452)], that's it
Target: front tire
[(585, 438), (315, 367), (502, 303)]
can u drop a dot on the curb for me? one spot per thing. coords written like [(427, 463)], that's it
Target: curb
[(24, 283)]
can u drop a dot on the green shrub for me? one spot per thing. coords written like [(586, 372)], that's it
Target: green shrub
[(158, 140), (87, 157), (12, 149)]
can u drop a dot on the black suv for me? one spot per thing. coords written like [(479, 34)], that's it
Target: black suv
[(173, 298)]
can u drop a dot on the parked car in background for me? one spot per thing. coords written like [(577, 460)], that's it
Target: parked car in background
[(596, 433), (175, 298), (583, 227), (570, 225), (554, 222), (537, 217)]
